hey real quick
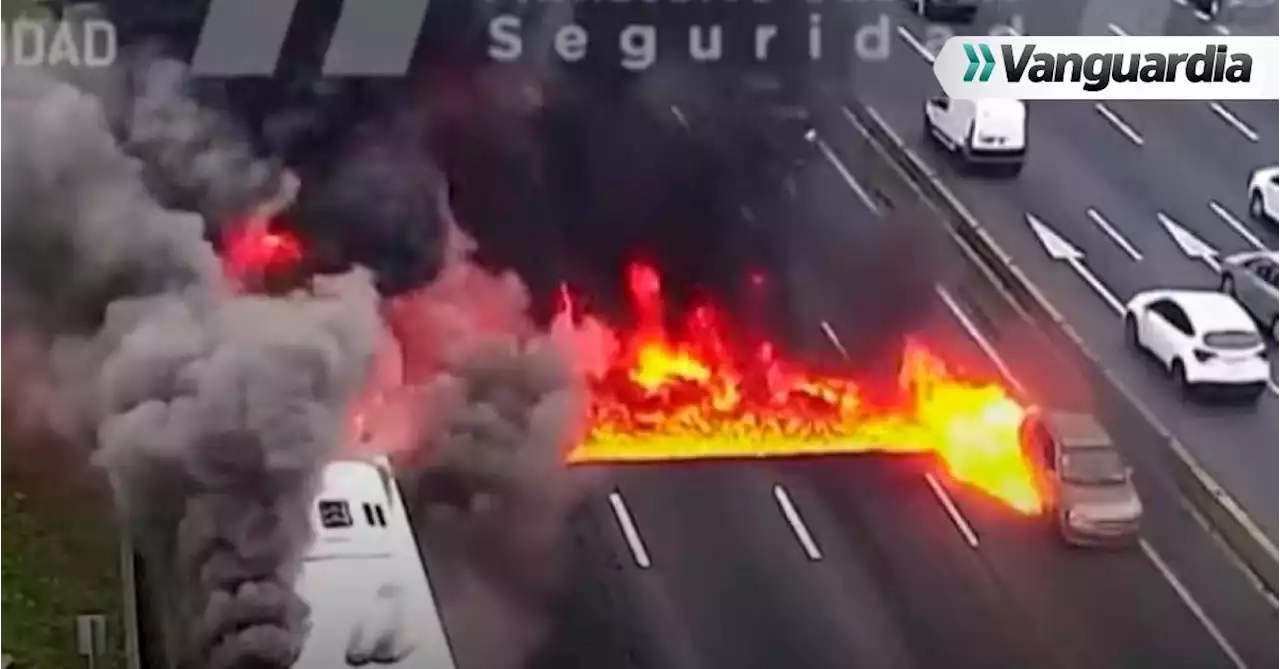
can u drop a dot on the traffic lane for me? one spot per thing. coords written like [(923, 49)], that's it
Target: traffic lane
[(1201, 179), (1161, 17), (1145, 17), (1183, 156), (1245, 468), (879, 510), (1233, 444), (1068, 171), (1071, 598), (1180, 539), (698, 552), (745, 591), (1120, 221), (1206, 148), (937, 588), (1074, 593), (1207, 571), (1254, 119), (1069, 615), (1105, 608), (1211, 198), (568, 604), (606, 615), (1058, 186)]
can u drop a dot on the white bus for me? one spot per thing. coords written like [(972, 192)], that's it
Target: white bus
[(371, 602)]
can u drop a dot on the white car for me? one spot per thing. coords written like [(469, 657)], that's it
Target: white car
[(1204, 338), (1264, 194)]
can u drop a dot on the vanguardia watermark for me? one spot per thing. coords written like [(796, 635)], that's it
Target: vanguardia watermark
[(1138, 68)]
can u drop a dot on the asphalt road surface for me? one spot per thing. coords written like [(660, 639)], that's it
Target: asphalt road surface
[(878, 561), (1112, 179)]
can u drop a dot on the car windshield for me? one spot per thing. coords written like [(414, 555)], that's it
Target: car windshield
[(1232, 340), (1094, 467)]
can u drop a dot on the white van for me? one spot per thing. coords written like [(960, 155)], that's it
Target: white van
[(371, 601), (982, 132)]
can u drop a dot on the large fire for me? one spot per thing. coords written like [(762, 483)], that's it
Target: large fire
[(694, 394)]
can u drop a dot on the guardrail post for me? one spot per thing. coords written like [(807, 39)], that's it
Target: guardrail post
[(129, 600)]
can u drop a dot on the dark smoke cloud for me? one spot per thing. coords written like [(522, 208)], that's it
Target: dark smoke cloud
[(360, 145), (211, 413), (200, 404), (478, 408)]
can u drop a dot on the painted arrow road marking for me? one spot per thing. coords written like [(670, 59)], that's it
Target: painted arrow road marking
[(1191, 245), (1061, 250)]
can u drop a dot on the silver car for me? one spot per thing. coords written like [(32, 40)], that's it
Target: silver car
[(1086, 482), (1251, 279)]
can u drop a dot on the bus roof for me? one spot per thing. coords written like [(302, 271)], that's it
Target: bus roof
[(364, 578)]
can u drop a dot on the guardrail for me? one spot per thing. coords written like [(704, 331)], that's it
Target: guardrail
[(1220, 510)]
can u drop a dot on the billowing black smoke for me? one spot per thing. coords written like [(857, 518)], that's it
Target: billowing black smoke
[(593, 174), (212, 413)]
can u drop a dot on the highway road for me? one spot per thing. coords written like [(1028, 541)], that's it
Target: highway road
[(881, 561), (1117, 182)]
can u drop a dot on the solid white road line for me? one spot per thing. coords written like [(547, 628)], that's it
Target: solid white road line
[(1233, 121), (961, 524), (857, 125), (675, 111), (629, 531), (915, 44), (980, 339), (797, 524), (1119, 123), (1192, 604), (1236, 225), (831, 337), (1117, 30), (893, 134), (848, 177), (1114, 234)]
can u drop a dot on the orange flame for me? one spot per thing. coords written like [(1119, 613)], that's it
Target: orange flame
[(693, 397)]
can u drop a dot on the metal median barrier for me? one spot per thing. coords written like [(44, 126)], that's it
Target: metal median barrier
[(1219, 509)]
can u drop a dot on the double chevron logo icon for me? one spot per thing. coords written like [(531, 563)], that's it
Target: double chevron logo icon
[(988, 62)]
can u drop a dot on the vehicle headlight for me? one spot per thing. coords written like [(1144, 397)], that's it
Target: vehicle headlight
[(1076, 519)]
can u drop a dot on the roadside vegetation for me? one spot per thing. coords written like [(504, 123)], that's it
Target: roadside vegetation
[(15, 9), (61, 551), (60, 544)]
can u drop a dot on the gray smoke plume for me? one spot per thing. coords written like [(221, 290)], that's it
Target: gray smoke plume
[(478, 422), (193, 158), (212, 413)]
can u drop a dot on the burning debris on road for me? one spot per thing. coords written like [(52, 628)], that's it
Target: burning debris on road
[(174, 272), (702, 393)]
